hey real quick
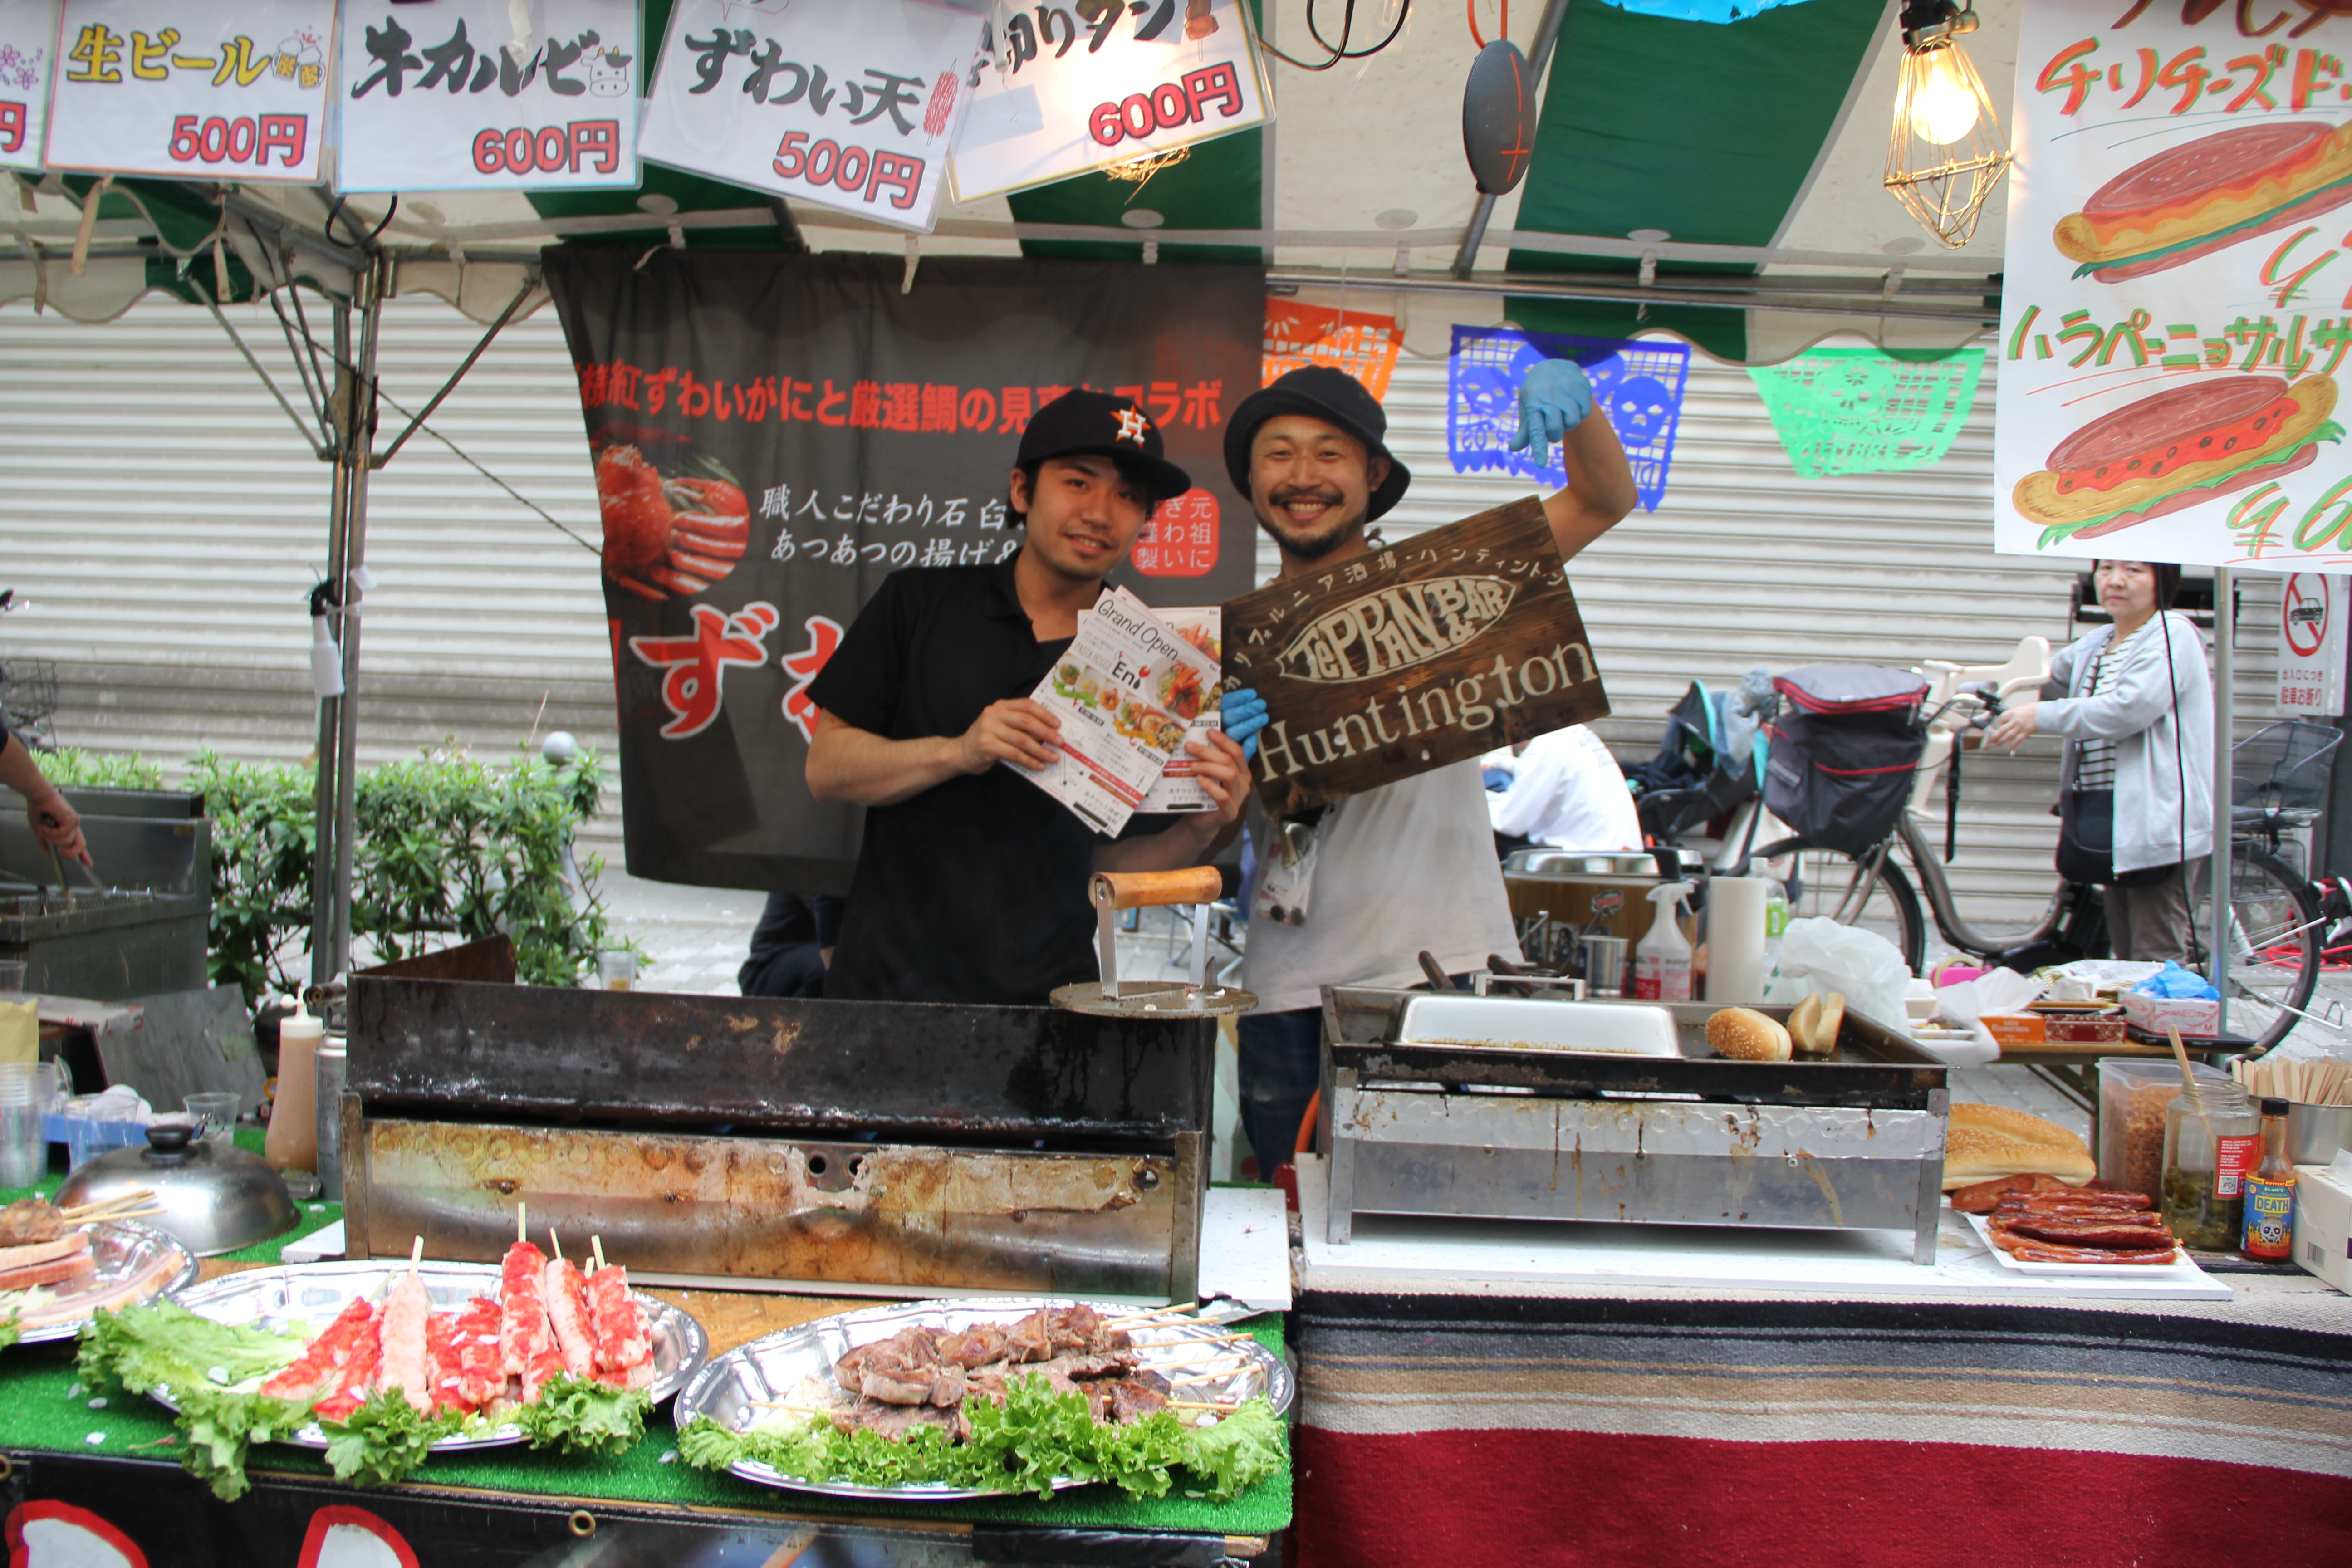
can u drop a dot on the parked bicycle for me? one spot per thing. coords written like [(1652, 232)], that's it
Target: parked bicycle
[(2276, 928)]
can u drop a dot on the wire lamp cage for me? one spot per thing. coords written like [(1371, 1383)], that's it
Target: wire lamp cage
[(1945, 151)]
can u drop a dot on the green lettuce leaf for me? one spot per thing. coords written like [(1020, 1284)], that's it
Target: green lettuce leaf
[(9, 1332), (218, 1428), (162, 1343), (1023, 1445), (1241, 1450), (580, 1415), (384, 1441)]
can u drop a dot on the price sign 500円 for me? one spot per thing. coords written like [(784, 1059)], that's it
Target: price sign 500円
[(155, 87)]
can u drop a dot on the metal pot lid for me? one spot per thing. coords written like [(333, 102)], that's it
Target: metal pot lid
[(216, 1197)]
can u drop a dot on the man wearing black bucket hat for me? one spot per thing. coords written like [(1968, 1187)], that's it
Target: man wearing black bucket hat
[(972, 881), (1410, 867)]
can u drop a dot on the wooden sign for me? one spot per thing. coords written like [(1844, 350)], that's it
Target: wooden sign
[(1389, 664)]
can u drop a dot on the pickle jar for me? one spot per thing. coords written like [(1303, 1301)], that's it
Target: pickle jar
[(2212, 1138)]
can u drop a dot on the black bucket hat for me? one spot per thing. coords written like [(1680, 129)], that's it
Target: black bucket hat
[(1334, 396), (1085, 423)]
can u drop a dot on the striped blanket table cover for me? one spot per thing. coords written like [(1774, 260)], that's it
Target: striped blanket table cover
[(1651, 1426)]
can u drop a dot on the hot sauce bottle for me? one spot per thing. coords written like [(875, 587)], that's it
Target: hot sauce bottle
[(2269, 1193)]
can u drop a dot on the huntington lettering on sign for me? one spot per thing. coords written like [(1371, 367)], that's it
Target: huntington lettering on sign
[(1460, 640)]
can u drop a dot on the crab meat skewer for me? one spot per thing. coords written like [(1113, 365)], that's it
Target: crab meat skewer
[(566, 1291), (407, 1365)]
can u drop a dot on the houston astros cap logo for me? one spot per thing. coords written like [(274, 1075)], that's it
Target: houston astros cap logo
[(1132, 425)]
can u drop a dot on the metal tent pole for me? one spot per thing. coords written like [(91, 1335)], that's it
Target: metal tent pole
[(324, 816), (361, 420), (2225, 713)]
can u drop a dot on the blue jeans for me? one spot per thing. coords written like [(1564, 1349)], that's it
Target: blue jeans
[(1281, 1068)]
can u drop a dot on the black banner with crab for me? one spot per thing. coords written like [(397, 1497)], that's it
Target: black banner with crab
[(774, 434)]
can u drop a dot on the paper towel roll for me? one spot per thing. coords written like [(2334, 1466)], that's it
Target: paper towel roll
[(1734, 939)]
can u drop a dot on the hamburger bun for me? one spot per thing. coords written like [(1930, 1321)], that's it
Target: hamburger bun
[(1814, 1022), (1747, 1036), (1990, 1140)]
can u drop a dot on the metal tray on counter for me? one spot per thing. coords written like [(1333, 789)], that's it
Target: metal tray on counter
[(121, 1248), (1875, 1067), (731, 1389), (293, 1299)]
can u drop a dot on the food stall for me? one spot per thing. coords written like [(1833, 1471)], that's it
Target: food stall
[(1795, 1368)]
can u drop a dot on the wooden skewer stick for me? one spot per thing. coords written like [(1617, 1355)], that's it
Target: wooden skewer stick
[(416, 1251), (1199, 1404), (1199, 1339), (521, 1235), (597, 1249), (556, 1242)]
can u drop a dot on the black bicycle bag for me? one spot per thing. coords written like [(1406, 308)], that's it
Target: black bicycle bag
[(1845, 745)]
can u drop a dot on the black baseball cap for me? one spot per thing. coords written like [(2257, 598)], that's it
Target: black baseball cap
[(1332, 395), (1086, 423)]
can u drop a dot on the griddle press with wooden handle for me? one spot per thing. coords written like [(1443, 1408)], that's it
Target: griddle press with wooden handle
[(1112, 891)]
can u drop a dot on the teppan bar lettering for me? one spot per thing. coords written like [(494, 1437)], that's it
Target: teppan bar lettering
[(1417, 655)]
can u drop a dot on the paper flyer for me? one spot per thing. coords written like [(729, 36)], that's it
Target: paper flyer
[(1176, 791), (1125, 691)]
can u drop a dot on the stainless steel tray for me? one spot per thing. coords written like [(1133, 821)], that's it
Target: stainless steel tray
[(769, 1368), (294, 1300), (121, 1248)]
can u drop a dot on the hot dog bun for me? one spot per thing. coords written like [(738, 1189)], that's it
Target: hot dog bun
[(1990, 1140), (1747, 1036)]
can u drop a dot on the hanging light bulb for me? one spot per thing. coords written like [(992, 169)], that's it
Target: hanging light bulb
[(1946, 151), (1944, 101)]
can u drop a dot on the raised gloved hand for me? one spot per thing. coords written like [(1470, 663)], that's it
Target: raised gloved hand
[(1243, 715), (1553, 400)]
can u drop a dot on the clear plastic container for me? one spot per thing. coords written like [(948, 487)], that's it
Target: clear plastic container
[(2133, 1094), (2210, 1143)]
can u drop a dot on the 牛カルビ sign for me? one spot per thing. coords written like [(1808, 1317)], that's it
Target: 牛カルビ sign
[(1389, 664)]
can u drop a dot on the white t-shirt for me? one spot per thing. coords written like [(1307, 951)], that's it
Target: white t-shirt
[(1569, 792), (1407, 867)]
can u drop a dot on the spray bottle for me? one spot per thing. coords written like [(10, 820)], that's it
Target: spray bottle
[(1662, 961)]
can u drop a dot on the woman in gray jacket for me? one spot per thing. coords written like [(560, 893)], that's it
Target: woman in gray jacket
[(2134, 702)]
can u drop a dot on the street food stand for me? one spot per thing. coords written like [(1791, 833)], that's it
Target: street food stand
[(1672, 1396)]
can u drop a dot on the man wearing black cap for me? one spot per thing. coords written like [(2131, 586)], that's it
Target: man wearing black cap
[(1408, 868), (972, 881)]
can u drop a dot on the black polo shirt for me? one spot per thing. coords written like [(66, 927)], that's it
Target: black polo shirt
[(975, 890)]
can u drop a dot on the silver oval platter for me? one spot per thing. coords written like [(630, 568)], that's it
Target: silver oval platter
[(306, 1299), (731, 1390), (123, 1251)]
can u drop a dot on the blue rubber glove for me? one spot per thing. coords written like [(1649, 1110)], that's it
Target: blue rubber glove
[(1553, 400), (1243, 715)]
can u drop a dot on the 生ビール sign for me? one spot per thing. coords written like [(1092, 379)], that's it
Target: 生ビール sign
[(1392, 663)]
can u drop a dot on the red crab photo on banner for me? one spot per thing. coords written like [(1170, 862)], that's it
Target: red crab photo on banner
[(675, 521)]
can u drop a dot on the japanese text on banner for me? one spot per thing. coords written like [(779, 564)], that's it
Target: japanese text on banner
[(443, 95), (2176, 302), (849, 107), (151, 86), (1095, 83), (29, 36)]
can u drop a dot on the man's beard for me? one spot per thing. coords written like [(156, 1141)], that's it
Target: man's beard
[(1305, 547)]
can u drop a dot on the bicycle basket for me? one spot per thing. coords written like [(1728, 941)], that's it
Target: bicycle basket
[(2281, 771), (1844, 746)]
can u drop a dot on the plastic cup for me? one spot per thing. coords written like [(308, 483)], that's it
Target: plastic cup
[(616, 970), (88, 1131), (26, 1090), (214, 1111), (11, 976)]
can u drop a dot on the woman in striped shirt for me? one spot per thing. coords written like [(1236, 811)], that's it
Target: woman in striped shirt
[(2135, 701)]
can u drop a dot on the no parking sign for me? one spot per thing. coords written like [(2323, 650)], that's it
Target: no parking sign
[(2311, 613)]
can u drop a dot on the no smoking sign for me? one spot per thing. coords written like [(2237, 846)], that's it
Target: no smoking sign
[(2312, 615)]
